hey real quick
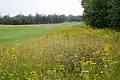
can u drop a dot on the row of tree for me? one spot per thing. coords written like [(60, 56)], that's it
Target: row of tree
[(102, 13), (37, 19)]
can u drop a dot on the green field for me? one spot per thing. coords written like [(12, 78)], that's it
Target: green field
[(8, 35), (12, 33), (70, 51)]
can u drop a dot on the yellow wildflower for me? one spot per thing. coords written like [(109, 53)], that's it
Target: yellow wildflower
[(54, 70), (106, 48), (13, 49)]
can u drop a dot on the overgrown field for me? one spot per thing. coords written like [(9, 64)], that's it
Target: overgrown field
[(72, 53)]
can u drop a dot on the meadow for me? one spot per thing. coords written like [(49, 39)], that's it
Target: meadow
[(19, 33), (59, 52)]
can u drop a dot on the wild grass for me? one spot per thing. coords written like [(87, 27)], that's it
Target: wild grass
[(72, 53)]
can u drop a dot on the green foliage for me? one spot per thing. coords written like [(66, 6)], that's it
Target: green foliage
[(102, 13), (114, 13), (37, 19)]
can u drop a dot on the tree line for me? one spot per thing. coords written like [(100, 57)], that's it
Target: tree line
[(21, 19), (102, 13)]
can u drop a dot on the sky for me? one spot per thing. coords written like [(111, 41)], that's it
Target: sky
[(14, 7)]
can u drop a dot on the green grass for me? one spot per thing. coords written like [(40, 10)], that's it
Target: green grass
[(74, 52), (11, 33), (8, 35)]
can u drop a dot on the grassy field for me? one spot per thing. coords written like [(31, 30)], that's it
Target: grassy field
[(17, 33), (73, 52)]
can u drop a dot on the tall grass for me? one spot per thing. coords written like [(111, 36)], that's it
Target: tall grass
[(76, 53)]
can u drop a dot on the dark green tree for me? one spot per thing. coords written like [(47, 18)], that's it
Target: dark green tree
[(21, 19), (102, 13), (114, 14), (6, 19), (96, 12)]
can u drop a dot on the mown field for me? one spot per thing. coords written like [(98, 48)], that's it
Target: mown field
[(18, 33), (67, 52)]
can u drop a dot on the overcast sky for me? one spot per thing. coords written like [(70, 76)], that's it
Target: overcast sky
[(14, 7)]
